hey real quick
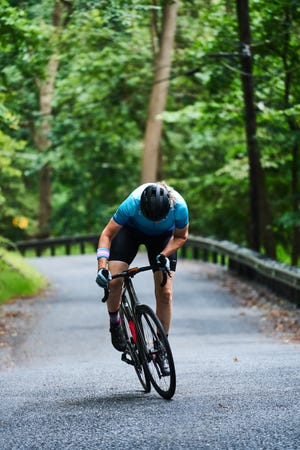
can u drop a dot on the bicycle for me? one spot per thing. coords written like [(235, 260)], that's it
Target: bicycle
[(146, 341)]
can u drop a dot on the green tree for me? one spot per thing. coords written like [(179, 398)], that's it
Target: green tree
[(18, 37), (278, 90), (162, 67), (99, 111)]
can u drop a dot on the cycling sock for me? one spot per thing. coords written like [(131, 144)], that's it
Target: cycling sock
[(114, 318)]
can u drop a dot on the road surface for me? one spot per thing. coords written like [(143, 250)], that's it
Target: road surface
[(65, 386)]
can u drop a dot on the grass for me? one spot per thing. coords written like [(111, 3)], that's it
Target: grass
[(17, 277)]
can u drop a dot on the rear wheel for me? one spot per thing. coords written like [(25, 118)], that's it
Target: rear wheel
[(157, 351), (132, 354)]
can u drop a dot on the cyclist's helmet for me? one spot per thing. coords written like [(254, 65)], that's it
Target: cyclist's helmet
[(155, 202)]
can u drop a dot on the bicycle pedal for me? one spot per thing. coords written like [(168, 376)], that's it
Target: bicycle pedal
[(126, 358)]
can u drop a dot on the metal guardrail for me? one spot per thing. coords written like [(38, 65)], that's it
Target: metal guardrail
[(39, 246), (280, 278)]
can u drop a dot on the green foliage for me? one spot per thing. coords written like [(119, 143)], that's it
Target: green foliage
[(100, 108), (17, 277), (206, 127), (12, 189), (211, 131), (22, 57)]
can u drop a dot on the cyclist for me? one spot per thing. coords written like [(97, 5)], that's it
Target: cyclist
[(155, 215)]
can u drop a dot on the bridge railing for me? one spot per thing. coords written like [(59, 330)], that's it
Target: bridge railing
[(40, 246), (280, 278)]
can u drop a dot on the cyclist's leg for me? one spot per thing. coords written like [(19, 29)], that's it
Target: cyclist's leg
[(164, 299), (123, 250), (113, 301), (163, 294)]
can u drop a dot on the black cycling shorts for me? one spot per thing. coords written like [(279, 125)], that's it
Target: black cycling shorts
[(125, 245)]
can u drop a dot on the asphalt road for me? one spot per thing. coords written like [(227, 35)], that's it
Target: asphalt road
[(66, 387)]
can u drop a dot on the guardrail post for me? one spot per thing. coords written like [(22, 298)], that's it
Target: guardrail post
[(231, 264), (183, 252), (195, 252), (215, 257), (68, 248)]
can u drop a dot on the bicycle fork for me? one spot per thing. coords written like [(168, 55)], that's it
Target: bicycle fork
[(129, 355)]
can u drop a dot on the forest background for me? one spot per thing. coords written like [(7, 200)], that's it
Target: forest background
[(76, 80)]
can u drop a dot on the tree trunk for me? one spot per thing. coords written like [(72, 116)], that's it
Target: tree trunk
[(151, 154), (43, 143), (292, 123), (295, 168), (260, 222), (295, 206), (43, 128)]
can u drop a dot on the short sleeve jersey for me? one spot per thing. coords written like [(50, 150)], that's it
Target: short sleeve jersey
[(129, 213)]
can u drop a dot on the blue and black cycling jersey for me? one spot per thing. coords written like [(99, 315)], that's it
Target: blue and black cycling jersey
[(129, 213)]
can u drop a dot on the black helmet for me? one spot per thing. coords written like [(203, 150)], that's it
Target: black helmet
[(155, 202)]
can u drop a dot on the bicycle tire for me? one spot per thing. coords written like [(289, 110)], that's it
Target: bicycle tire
[(132, 348), (154, 341)]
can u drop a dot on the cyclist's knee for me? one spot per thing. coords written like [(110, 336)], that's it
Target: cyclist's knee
[(115, 286), (165, 295)]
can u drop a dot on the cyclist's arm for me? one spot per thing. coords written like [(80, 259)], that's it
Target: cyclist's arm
[(179, 237), (107, 235)]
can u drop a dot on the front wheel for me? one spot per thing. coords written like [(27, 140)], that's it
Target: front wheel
[(132, 354), (160, 364)]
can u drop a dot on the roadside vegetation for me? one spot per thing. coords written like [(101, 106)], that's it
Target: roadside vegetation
[(76, 80), (17, 277)]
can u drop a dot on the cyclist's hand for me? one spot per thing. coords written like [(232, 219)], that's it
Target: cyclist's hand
[(163, 262), (103, 277)]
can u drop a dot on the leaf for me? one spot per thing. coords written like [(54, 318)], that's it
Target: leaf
[(223, 406)]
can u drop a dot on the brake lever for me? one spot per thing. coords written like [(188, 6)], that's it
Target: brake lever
[(165, 274), (106, 294)]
